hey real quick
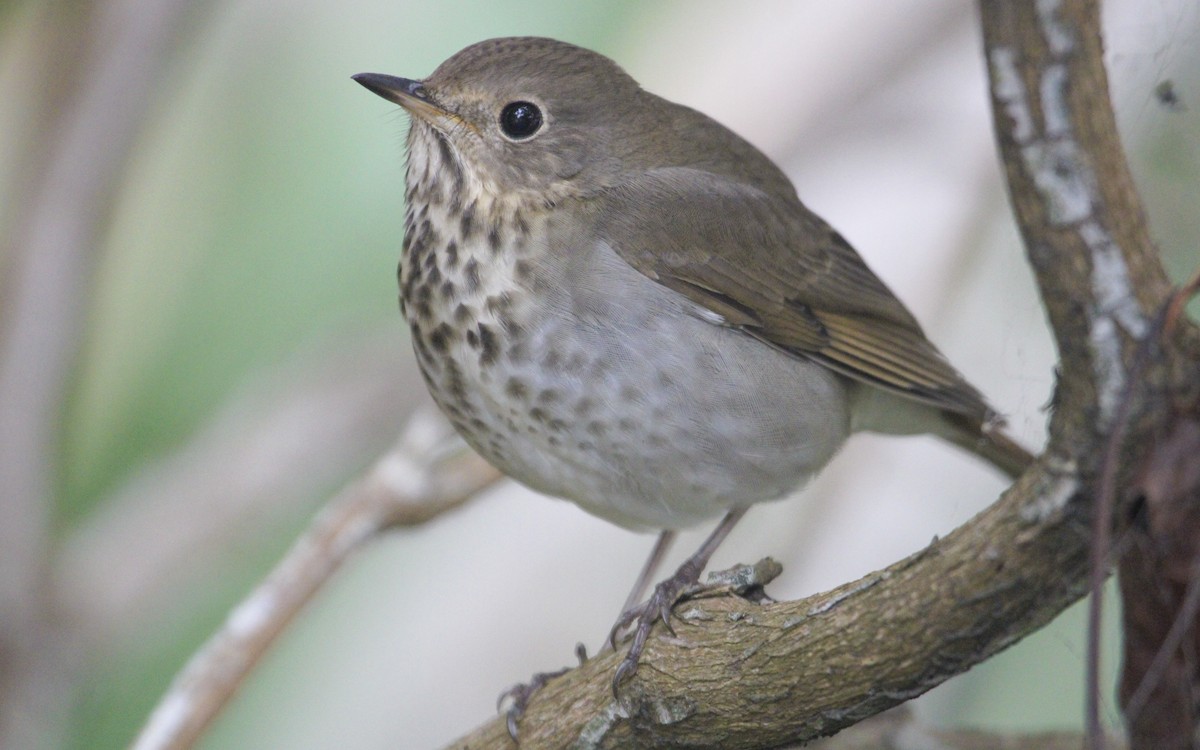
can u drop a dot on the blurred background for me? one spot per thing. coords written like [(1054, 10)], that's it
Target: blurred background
[(201, 216)]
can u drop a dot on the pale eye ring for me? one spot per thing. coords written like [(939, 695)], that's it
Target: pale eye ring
[(521, 120)]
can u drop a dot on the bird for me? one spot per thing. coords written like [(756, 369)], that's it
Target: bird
[(620, 302)]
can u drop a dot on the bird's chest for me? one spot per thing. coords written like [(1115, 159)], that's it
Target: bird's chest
[(508, 336), (582, 378), (465, 290)]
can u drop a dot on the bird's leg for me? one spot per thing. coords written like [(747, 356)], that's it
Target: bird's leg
[(685, 581), (661, 545), (518, 695)]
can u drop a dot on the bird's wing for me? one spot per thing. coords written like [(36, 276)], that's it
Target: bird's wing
[(774, 269)]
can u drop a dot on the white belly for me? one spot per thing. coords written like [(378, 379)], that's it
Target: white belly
[(585, 380)]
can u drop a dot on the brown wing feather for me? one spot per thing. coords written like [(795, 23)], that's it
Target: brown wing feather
[(773, 268)]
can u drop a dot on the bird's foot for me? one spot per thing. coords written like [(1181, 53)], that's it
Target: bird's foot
[(746, 581), (662, 600), (517, 697)]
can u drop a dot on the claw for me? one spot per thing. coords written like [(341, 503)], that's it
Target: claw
[(510, 721), (624, 671), (646, 615), (684, 584), (665, 613), (520, 694)]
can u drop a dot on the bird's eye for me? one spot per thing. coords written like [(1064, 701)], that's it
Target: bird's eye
[(520, 120)]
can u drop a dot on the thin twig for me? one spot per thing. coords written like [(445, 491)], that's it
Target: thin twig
[(411, 485), (1102, 521), (1190, 605), (306, 423)]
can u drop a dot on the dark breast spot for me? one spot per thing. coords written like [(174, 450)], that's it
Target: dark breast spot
[(489, 347), (471, 274), (456, 386), (431, 243), (498, 303), (522, 270), (421, 347), (441, 336), (517, 352), (450, 167), (434, 276), (516, 388), (466, 222)]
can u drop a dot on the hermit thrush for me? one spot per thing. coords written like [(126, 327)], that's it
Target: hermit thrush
[(620, 302)]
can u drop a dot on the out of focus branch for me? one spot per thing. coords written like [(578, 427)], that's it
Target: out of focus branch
[(289, 434), (428, 473), (49, 254)]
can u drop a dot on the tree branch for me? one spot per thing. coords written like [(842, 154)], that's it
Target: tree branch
[(738, 674), (306, 423), (1079, 213), (741, 675), (414, 483)]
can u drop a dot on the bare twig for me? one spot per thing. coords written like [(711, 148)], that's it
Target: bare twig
[(306, 424), (411, 485)]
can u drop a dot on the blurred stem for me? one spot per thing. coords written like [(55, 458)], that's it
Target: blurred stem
[(416, 482), (50, 253)]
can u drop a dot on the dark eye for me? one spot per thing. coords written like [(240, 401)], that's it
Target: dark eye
[(520, 120)]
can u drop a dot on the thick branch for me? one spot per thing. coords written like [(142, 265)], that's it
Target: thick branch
[(1078, 209), (745, 675), (741, 675), (1081, 218)]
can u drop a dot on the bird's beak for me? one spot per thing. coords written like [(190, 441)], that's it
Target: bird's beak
[(409, 94)]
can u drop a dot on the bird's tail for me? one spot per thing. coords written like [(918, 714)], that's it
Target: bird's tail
[(992, 444)]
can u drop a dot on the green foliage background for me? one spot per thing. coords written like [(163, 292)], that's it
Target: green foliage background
[(260, 214)]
